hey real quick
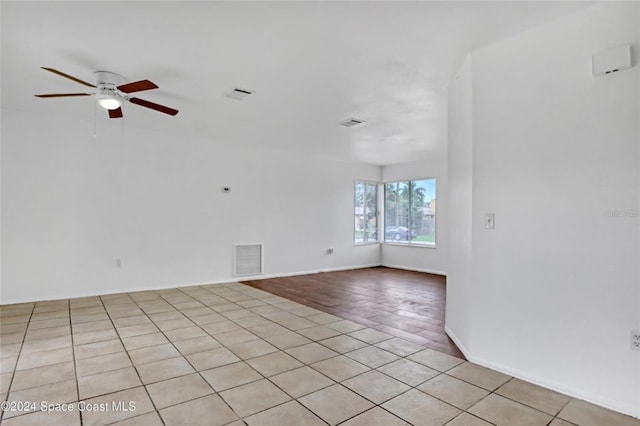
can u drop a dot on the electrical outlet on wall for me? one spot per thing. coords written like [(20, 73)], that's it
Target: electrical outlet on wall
[(635, 340)]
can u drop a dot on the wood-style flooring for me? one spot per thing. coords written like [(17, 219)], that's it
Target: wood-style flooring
[(405, 304)]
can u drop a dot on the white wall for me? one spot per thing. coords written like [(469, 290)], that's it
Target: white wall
[(421, 258), (556, 286), (460, 167), (73, 203)]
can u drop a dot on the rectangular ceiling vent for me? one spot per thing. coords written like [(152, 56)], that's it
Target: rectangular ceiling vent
[(247, 259), (238, 93), (350, 122)]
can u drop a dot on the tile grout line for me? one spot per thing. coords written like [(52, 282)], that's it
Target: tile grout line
[(130, 360), (334, 382), (73, 355), (376, 369), (263, 376), (195, 297), (184, 356), (309, 365), (244, 361), (279, 286), (560, 410), (491, 392), (241, 360), (293, 399), (15, 367)]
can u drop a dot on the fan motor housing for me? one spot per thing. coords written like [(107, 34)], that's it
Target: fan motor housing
[(108, 77)]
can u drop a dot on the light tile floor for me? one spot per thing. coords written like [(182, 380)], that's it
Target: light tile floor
[(229, 354)]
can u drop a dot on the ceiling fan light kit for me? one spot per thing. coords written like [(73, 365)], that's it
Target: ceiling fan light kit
[(108, 100), (112, 92), (108, 96)]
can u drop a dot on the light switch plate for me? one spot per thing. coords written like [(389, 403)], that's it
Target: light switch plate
[(489, 221)]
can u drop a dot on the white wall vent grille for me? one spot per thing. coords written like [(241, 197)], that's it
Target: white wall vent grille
[(248, 259), (350, 122), (238, 94)]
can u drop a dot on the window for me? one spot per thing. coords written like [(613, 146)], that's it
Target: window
[(410, 212), (365, 213)]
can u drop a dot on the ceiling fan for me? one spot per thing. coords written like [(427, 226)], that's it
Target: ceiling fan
[(113, 90)]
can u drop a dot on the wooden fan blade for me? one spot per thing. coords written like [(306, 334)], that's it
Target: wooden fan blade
[(137, 86), (151, 105), (70, 77), (61, 95), (115, 113)]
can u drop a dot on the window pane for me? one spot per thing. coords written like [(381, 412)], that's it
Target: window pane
[(366, 212), (359, 213), (396, 212), (423, 210), (390, 197), (371, 212), (404, 198), (410, 211)]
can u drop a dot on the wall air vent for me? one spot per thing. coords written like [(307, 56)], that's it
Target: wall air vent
[(247, 259), (350, 122), (238, 93)]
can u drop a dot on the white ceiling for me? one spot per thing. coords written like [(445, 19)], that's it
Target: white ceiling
[(311, 64)]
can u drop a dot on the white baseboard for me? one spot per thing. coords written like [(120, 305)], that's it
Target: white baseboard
[(218, 281), (410, 268), (77, 295), (457, 341), (181, 285), (314, 271), (614, 405), (630, 410)]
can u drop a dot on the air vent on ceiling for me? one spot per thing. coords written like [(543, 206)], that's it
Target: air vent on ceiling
[(247, 259), (238, 93), (351, 122)]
